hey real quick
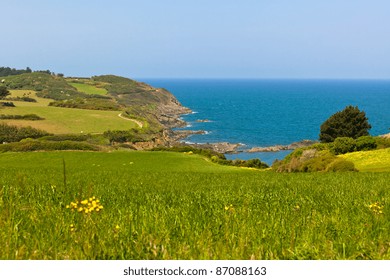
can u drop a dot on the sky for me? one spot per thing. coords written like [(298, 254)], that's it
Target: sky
[(300, 39)]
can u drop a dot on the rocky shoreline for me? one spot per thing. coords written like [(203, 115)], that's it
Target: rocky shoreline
[(175, 138), (277, 148)]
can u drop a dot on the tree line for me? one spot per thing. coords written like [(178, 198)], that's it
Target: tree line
[(8, 71)]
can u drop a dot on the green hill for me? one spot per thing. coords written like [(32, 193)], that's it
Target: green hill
[(106, 101)]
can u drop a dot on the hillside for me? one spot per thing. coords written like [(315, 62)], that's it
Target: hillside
[(373, 161), (126, 99)]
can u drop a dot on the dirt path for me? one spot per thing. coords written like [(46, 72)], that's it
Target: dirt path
[(140, 124)]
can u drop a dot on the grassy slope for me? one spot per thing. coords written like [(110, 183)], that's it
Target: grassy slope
[(178, 206), (106, 92), (90, 89), (377, 160), (64, 120)]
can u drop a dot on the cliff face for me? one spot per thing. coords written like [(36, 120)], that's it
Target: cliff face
[(157, 105), (170, 110)]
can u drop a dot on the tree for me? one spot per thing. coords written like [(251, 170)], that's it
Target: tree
[(3, 92), (350, 122)]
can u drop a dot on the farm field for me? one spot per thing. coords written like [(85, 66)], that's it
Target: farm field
[(163, 205), (64, 120)]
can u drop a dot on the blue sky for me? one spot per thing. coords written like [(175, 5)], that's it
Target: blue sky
[(199, 38)]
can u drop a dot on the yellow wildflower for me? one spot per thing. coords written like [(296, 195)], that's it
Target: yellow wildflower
[(376, 208), (86, 205)]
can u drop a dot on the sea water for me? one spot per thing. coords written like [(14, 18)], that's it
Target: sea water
[(259, 113)]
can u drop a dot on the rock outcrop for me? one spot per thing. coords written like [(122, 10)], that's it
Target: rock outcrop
[(277, 148)]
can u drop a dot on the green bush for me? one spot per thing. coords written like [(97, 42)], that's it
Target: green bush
[(317, 163), (343, 145), (31, 117), (11, 133), (341, 165), (65, 137), (36, 145), (23, 98), (365, 143), (3, 92), (7, 104), (215, 156), (122, 136), (382, 142), (252, 163)]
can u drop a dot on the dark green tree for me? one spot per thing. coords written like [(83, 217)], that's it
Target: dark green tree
[(350, 122), (3, 92)]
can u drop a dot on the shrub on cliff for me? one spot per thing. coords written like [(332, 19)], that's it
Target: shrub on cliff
[(312, 160), (343, 145), (365, 143), (341, 165)]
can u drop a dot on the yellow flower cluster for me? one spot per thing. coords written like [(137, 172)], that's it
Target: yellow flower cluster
[(229, 208), (86, 206), (376, 208)]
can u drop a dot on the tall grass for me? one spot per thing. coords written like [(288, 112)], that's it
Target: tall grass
[(173, 206)]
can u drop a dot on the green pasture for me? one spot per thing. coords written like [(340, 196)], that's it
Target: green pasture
[(164, 205), (87, 88), (60, 120), (376, 160)]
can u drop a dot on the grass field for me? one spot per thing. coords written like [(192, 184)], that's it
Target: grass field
[(90, 89), (377, 160), (161, 205), (64, 120)]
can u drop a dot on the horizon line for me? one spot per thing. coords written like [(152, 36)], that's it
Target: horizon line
[(259, 78)]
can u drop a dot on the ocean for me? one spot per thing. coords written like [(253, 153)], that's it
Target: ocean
[(258, 113)]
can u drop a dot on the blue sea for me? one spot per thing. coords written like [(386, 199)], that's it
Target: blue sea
[(272, 112)]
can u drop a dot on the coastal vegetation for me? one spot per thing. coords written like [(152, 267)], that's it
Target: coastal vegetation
[(327, 156)]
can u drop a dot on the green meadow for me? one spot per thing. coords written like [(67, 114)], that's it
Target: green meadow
[(164, 205), (376, 160), (87, 88), (60, 120)]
